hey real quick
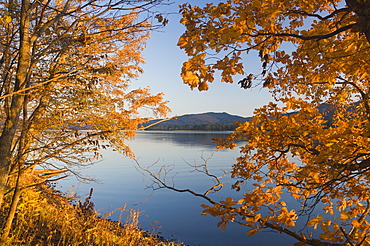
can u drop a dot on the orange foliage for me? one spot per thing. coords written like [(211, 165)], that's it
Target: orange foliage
[(66, 65), (320, 153)]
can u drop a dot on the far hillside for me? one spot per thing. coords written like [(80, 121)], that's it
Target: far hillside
[(206, 122)]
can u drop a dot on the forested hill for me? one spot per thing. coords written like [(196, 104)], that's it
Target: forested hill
[(206, 121)]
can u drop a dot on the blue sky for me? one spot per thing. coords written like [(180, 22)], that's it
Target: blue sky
[(162, 74)]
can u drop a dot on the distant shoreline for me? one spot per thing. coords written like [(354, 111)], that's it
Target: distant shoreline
[(203, 127)]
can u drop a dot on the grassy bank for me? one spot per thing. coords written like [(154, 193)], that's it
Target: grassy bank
[(44, 217)]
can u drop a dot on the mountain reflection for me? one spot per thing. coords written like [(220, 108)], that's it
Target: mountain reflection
[(185, 138)]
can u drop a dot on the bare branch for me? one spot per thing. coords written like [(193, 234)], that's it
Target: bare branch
[(203, 168), (160, 182)]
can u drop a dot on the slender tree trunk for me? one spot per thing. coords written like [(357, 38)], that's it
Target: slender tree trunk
[(24, 143), (13, 207), (13, 114)]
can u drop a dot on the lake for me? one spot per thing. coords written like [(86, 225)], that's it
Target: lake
[(177, 214)]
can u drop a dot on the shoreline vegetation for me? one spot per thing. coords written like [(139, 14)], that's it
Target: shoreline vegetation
[(210, 121), (204, 127), (45, 216)]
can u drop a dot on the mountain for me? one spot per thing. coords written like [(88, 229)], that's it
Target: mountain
[(203, 119), (223, 121), (206, 121)]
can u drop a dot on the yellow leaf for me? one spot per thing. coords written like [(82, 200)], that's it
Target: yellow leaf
[(252, 232), (344, 216), (8, 18), (355, 223), (203, 86), (315, 221), (300, 244), (282, 203)]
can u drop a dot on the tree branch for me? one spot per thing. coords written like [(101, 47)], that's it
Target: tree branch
[(301, 12), (315, 37), (284, 230), (161, 183)]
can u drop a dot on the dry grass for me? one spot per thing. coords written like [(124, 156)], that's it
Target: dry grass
[(46, 218)]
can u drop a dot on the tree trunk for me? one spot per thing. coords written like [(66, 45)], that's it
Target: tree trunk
[(362, 10), (13, 113), (13, 208)]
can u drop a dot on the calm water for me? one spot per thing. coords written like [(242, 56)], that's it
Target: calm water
[(178, 214)]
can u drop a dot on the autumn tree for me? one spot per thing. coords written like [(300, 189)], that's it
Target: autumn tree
[(313, 143), (66, 65)]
